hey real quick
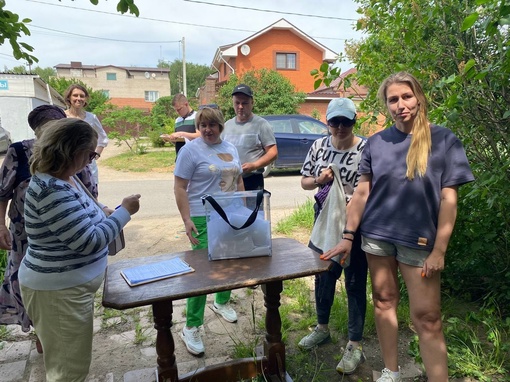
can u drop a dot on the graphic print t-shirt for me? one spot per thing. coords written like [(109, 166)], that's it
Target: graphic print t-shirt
[(322, 153)]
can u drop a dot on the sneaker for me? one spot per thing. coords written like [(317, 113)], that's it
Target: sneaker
[(315, 338), (351, 360), (387, 376), (193, 340), (225, 311)]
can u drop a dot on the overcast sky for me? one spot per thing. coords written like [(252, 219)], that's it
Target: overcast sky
[(65, 31)]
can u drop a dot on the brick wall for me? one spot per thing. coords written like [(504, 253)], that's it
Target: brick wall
[(263, 55)]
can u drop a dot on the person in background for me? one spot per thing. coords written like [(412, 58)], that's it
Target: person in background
[(343, 149), (76, 98), (14, 179), (206, 165), (68, 235), (184, 124), (406, 203), (252, 136)]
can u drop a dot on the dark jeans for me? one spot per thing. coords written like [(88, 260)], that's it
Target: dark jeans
[(355, 286), (254, 182)]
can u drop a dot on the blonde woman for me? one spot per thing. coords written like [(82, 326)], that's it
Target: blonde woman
[(68, 235), (406, 203)]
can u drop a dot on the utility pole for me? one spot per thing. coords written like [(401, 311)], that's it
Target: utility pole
[(184, 68)]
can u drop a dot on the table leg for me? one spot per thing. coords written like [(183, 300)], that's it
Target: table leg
[(165, 346), (274, 348)]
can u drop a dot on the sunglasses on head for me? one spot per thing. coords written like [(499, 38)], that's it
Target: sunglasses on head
[(341, 122), (93, 155)]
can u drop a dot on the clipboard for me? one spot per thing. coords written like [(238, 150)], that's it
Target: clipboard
[(147, 273)]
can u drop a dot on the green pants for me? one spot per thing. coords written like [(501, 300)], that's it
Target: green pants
[(195, 306)]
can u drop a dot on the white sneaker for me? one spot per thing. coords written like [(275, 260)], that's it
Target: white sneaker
[(193, 340), (315, 338), (387, 376), (226, 311), (351, 360)]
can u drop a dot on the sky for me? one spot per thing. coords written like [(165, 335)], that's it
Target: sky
[(65, 31)]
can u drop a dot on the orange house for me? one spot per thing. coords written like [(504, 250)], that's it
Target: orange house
[(281, 47)]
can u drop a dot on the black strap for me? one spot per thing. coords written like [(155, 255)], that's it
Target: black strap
[(219, 209)]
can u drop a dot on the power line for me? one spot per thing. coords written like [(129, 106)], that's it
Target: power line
[(140, 17), (105, 38), (179, 22), (269, 10)]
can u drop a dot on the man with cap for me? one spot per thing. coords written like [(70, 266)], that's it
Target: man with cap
[(342, 151), (252, 136), (14, 179)]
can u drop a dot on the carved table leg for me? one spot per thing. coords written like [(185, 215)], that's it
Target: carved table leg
[(274, 348), (165, 346)]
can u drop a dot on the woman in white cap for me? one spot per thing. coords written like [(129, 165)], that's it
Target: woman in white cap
[(341, 150)]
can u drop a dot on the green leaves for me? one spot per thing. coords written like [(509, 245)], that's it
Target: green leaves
[(124, 6), (273, 93), (12, 29), (469, 21)]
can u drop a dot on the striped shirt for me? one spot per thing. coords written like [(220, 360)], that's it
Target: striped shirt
[(68, 234)]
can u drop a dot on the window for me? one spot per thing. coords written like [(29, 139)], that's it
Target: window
[(111, 76), (286, 61), (76, 73), (151, 96)]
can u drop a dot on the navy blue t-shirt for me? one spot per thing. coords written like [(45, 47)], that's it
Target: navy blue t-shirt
[(404, 211)]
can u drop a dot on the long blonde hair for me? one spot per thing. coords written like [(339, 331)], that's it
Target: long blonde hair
[(421, 141)]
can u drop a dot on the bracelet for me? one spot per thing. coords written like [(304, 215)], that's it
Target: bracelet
[(349, 232), (346, 238)]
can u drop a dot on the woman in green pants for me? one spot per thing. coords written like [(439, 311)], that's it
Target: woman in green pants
[(206, 165)]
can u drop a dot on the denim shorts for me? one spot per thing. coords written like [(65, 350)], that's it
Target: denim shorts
[(406, 255)]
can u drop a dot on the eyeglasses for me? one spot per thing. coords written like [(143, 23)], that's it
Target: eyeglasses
[(93, 155), (346, 123)]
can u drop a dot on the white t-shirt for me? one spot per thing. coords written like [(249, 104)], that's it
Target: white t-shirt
[(209, 169)]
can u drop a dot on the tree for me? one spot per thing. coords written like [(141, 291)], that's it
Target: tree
[(45, 73), (12, 28), (195, 76), (127, 125), (273, 93), (460, 52)]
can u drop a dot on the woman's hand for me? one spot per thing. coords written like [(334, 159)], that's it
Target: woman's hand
[(433, 264), (342, 248), (190, 229), (326, 176), (5, 238), (131, 203)]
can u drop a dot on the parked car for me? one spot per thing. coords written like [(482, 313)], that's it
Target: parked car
[(294, 135), (5, 139)]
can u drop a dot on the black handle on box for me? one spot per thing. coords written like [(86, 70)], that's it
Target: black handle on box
[(219, 210)]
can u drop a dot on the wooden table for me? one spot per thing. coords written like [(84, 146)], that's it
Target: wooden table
[(290, 260)]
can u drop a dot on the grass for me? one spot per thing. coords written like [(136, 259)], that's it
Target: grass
[(300, 219), (155, 160)]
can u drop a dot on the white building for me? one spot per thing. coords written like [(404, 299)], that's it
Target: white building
[(19, 95)]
